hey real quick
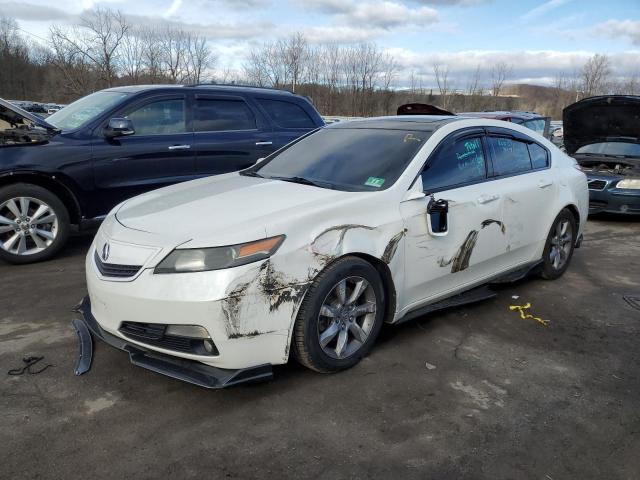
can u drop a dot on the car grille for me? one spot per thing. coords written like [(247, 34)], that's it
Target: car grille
[(597, 184), (153, 334), (115, 270)]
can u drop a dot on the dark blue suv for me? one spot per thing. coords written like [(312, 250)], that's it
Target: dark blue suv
[(80, 162)]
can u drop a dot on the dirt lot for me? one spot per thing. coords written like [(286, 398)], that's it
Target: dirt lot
[(474, 392)]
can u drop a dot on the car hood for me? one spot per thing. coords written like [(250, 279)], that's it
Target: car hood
[(16, 113), (600, 119), (221, 210)]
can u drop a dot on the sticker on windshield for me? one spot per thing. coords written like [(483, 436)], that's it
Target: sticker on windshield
[(374, 182), (410, 137)]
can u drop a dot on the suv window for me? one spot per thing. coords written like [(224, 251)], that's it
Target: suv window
[(539, 156), (216, 115), (287, 114), (162, 117), (509, 156), (536, 125), (457, 163)]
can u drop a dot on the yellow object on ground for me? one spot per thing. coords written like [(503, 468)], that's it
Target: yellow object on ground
[(522, 308)]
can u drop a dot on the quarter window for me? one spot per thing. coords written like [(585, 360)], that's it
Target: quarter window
[(216, 115), (509, 156), (162, 117), (539, 156), (456, 164), (287, 114)]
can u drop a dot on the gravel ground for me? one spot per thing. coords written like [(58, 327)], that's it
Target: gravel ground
[(473, 392)]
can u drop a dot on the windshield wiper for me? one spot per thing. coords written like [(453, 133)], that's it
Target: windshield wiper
[(251, 173), (305, 181)]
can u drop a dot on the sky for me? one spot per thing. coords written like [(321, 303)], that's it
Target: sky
[(539, 39)]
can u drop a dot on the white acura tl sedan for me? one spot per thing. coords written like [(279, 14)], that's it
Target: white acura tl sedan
[(312, 249)]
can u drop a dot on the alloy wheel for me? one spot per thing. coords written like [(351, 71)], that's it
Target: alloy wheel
[(27, 226), (561, 244), (347, 317)]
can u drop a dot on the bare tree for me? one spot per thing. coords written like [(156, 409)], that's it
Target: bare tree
[(595, 75), (199, 59), (441, 74), (132, 56), (499, 74)]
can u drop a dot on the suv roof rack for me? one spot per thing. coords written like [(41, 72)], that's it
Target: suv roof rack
[(237, 86)]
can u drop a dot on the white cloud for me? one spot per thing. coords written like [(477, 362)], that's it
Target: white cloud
[(544, 8), (620, 28), (374, 13), (173, 8)]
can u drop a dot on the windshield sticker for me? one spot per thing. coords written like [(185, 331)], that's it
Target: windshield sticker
[(410, 137), (374, 182)]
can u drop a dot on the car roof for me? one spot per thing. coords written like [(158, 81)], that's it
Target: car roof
[(422, 123), (202, 86), (499, 115)]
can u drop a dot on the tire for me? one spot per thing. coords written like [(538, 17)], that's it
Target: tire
[(321, 313), (34, 223), (562, 243)]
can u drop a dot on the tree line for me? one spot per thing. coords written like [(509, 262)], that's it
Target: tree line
[(105, 49)]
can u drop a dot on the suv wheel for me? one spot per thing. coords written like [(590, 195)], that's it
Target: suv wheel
[(340, 317), (34, 223), (559, 247)]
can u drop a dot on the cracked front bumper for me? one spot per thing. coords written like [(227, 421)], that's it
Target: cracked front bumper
[(179, 368)]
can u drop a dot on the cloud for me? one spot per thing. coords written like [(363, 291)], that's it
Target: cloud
[(528, 66), (544, 8), (31, 12), (464, 3), (374, 13), (620, 28), (173, 8)]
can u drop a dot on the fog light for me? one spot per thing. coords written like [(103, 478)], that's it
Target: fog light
[(209, 347), (191, 331)]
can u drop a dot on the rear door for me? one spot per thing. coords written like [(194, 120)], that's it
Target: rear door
[(159, 153), (289, 118), (520, 171), (230, 134)]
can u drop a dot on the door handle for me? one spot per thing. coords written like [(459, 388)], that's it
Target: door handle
[(260, 144), (544, 183), (179, 147), (487, 198)]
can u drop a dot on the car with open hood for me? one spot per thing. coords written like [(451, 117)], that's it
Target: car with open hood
[(310, 251), (72, 168), (603, 135)]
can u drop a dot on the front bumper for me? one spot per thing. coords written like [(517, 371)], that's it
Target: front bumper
[(182, 369), (613, 200)]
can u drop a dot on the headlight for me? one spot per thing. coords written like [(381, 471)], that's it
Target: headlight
[(633, 183), (217, 258)]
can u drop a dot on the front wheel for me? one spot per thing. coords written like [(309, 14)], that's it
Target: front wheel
[(560, 245), (340, 316), (34, 223)]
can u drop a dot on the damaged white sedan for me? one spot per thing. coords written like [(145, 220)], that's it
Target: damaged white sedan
[(310, 251)]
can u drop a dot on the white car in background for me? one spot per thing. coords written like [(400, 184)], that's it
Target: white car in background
[(313, 249)]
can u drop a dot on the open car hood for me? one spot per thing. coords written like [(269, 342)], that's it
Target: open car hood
[(601, 119), (9, 111), (421, 109)]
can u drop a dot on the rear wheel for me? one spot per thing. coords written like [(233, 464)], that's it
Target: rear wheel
[(340, 317), (34, 223), (560, 245)]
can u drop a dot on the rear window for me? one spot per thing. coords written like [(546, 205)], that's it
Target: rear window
[(539, 156), (509, 156), (287, 114), (215, 115)]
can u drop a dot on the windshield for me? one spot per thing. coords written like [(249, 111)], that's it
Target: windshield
[(84, 110), (350, 159), (612, 148)]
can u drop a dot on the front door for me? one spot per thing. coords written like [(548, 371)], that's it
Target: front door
[(159, 153), (440, 264)]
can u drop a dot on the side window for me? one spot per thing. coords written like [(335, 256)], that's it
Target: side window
[(536, 125), (287, 114), (215, 115), (539, 156), (509, 156), (162, 117), (457, 163)]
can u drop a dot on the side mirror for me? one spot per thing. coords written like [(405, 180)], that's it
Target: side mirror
[(438, 211), (119, 127)]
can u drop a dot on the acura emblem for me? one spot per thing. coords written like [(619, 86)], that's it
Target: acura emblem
[(105, 252)]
